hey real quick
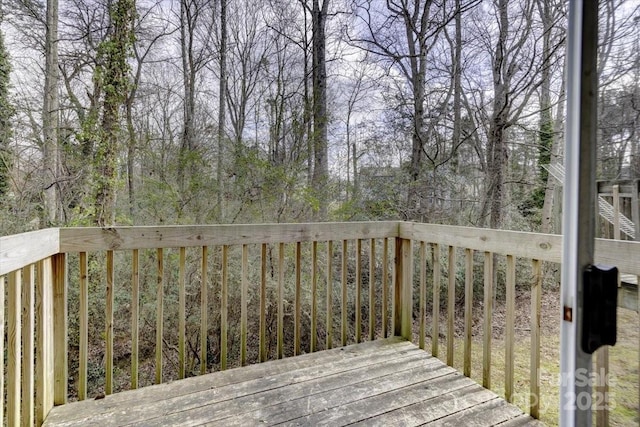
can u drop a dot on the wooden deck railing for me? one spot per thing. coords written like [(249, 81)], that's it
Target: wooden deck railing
[(40, 271)]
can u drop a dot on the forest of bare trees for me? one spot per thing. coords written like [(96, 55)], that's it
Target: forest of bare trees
[(136, 112)]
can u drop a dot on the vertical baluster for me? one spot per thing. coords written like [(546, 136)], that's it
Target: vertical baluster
[(263, 303), (60, 335), (329, 338), (159, 315), (297, 322), (2, 290), (468, 307), (204, 307), (244, 284), (372, 289), (435, 250), (488, 320), (135, 310), (358, 290), (281, 300), (423, 294), (385, 287), (223, 309), (343, 334), (536, 303), (28, 320), (14, 355), (182, 313), (108, 386), (314, 290), (84, 326), (509, 327), (602, 354), (451, 304), (44, 336)]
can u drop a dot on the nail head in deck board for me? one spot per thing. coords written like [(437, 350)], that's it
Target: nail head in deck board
[(374, 378)]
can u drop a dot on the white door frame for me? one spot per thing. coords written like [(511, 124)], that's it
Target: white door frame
[(578, 221)]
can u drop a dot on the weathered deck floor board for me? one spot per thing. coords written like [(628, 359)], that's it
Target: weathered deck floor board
[(384, 382)]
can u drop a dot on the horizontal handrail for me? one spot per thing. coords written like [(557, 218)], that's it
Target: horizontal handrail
[(119, 238), (544, 247), (21, 250)]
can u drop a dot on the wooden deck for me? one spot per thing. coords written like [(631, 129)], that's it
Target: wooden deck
[(384, 382)]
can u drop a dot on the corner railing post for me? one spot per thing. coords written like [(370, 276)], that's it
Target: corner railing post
[(403, 291)]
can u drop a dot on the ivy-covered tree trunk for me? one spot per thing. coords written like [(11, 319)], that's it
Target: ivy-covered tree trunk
[(112, 72)]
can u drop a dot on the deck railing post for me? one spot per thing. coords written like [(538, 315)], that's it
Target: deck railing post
[(403, 292)]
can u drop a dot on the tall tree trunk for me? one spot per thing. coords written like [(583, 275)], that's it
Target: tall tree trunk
[(308, 101), (185, 157), (417, 60), (221, 108), (547, 149), (497, 147), (552, 197), (320, 177), (457, 90), (51, 157)]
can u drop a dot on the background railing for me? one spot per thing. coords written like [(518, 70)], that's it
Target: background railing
[(299, 288)]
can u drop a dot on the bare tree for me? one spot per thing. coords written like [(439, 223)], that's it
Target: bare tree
[(404, 39), (514, 66)]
